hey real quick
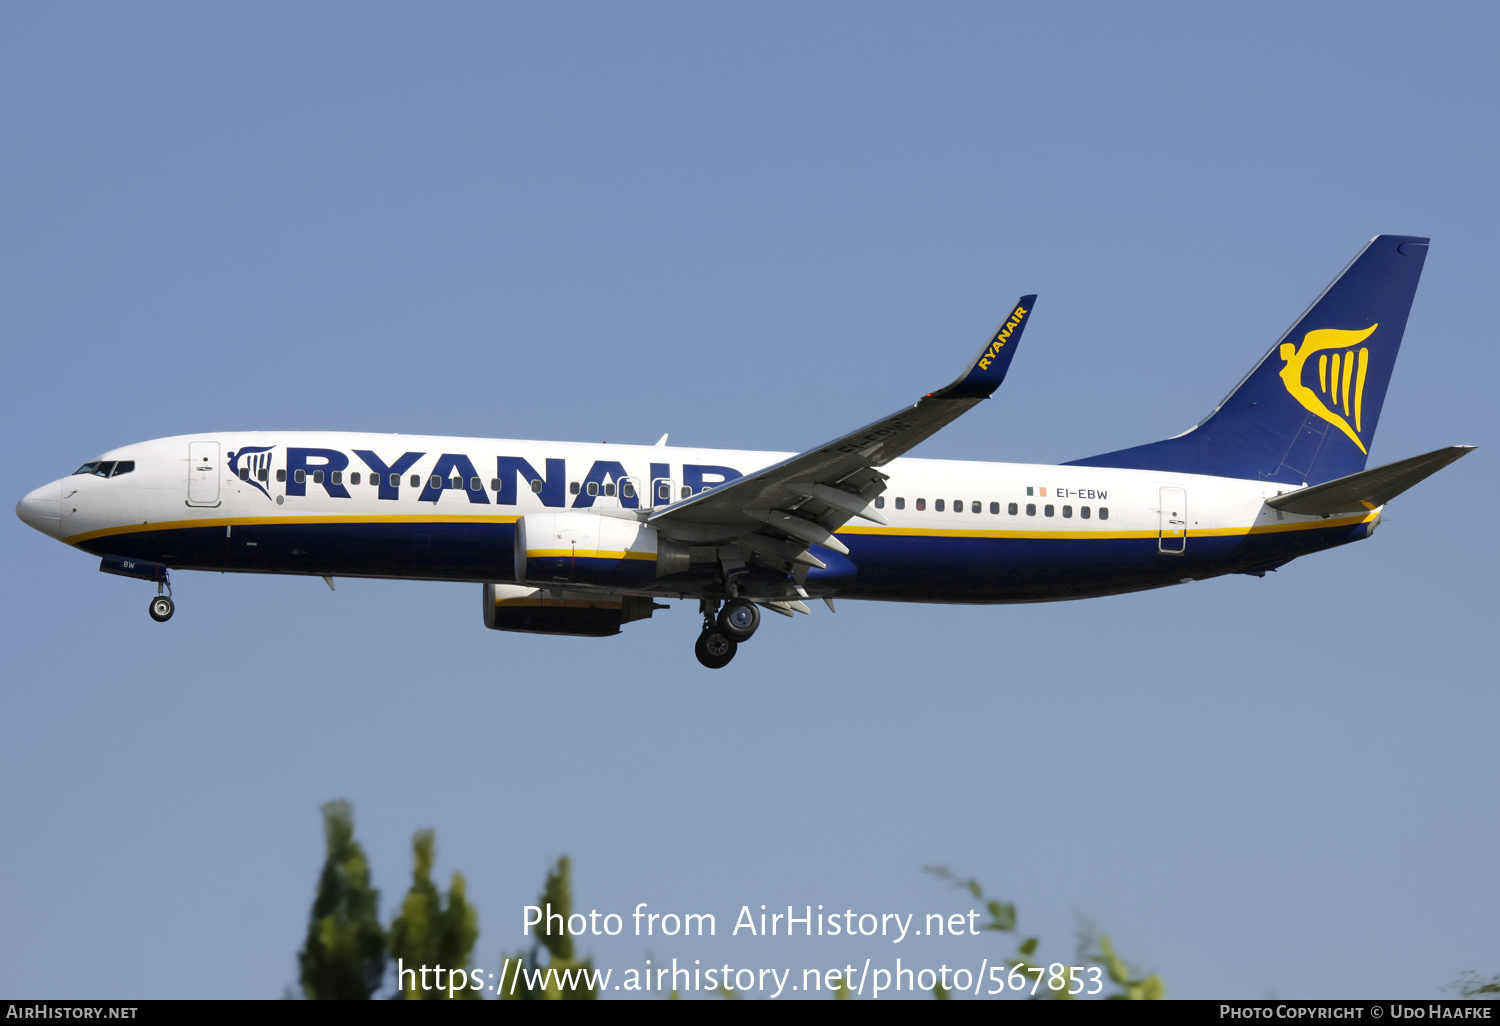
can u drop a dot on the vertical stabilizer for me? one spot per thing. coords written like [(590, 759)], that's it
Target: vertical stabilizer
[(1307, 412)]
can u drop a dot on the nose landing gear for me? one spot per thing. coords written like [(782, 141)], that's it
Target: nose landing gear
[(162, 607)]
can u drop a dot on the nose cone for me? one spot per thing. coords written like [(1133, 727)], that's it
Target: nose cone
[(42, 509)]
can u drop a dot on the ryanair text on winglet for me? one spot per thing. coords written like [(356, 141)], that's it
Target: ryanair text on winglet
[(1004, 333)]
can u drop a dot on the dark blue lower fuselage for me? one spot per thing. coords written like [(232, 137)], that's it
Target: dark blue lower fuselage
[(891, 567)]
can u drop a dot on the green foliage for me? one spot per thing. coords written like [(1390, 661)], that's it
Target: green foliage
[(1472, 986), (344, 956), (558, 893), (1133, 986), (1002, 919), (428, 934)]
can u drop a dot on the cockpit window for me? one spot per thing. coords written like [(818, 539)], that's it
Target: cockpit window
[(106, 468)]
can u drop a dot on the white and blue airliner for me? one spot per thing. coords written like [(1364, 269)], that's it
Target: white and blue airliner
[(580, 539)]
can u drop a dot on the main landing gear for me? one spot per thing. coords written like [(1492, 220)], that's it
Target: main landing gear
[(162, 608), (723, 631)]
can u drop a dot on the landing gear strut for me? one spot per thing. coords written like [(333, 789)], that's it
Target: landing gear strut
[(715, 646), (162, 608), (723, 632)]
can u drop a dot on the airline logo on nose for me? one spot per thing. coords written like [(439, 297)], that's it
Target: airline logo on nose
[(1340, 385), (256, 459)]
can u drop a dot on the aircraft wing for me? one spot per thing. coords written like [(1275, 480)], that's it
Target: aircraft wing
[(809, 496)]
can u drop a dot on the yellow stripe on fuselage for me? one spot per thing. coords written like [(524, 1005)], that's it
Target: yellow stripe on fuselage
[(180, 525), (586, 554), (900, 532), (1196, 532)]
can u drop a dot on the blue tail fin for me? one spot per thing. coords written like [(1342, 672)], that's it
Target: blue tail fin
[(1307, 412)]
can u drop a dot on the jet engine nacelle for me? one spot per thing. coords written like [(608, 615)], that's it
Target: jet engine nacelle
[(515, 607), (588, 548)]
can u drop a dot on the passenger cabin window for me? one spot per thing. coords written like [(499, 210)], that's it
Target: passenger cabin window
[(627, 489), (1048, 509), (435, 481), (458, 484), (1067, 512), (494, 484), (686, 491), (574, 488), (317, 477), (300, 477), (609, 488), (1011, 509), (1083, 511), (593, 488), (281, 475), (244, 473), (976, 507), (537, 485), (900, 502), (921, 504), (1103, 512), (663, 492), (1031, 509), (353, 477), (337, 477), (937, 506), (263, 474), (416, 480), (395, 481), (880, 502), (476, 485)]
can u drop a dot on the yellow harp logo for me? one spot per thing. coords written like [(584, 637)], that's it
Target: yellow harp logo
[(1341, 377)]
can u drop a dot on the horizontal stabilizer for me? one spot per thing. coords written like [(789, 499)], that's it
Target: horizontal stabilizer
[(1368, 489)]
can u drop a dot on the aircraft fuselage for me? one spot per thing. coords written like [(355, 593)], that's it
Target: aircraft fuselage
[(444, 509)]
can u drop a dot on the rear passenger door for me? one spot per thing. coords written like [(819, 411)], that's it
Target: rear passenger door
[(1173, 513)]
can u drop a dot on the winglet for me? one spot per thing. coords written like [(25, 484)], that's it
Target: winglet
[(988, 369)]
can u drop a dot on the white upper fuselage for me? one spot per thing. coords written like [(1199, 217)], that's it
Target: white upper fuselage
[(186, 482)]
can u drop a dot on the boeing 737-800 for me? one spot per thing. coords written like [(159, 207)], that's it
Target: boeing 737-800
[(579, 539)]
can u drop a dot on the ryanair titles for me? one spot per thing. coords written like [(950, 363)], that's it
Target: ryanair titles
[(384, 476), (1001, 336)]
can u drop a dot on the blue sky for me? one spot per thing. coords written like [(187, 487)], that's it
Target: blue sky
[(752, 226)]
